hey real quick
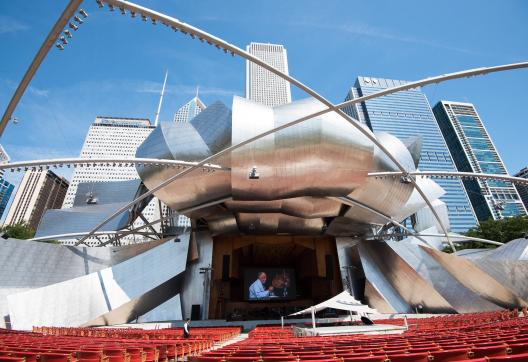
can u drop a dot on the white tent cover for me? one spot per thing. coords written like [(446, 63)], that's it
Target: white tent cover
[(342, 301)]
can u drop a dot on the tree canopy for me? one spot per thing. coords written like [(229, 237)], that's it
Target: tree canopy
[(21, 231), (503, 230)]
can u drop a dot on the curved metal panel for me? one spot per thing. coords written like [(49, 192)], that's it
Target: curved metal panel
[(473, 278), (306, 207), (462, 299), (409, 285), (275, 223), (205, 135), (283, 182), (323, 156)]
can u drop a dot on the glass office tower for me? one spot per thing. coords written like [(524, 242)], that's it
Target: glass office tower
[(6, 189), (473, 151), (522, 189), (406, 114)]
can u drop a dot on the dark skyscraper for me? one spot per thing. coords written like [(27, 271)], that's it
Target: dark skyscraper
[(407, 114)]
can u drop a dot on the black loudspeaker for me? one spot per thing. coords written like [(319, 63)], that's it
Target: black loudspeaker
[(225, 267), (329, 263), (195, 312), (366, 321)]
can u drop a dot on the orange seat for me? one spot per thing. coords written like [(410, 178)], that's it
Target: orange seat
[(409, 357), (205, 359), (55, 357), (450, 355), (365, 359), (489, 351), (521, 357)]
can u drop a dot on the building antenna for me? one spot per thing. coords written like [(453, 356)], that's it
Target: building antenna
[(161, 99), (197, 90)]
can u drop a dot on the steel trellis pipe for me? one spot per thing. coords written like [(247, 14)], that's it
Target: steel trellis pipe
[(235, 50)]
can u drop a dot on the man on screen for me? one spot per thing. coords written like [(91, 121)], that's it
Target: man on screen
[(257, 290)]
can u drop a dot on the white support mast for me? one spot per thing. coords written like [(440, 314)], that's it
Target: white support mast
[(161, 99)]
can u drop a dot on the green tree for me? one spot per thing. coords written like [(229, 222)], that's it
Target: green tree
[(503, 230), (19, 230)]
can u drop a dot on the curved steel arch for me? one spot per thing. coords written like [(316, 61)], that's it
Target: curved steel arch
[(450, 174), (176, 24), (233, 49), (54, 33), (41, 164), (102, 161)]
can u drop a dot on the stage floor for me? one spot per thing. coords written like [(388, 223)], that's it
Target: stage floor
[(337, 330)]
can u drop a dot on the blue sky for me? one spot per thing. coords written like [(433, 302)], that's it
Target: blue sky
[(114, 64)]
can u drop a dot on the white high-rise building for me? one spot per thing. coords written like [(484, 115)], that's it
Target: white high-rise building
[(113, 137), (262, 86), (189, 110)]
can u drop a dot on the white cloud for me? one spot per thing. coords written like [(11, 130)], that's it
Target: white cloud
[(37, 91), (155, 87), (10, 25), (380, 33)]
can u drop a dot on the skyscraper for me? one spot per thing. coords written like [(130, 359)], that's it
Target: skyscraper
[(39, 190), (112, 137), (6, 189), (189, 110), (262, 86), (522, 189), (473, 151), (406, 114)]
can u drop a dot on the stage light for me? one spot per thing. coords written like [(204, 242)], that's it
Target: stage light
[(122, 11), (143, 17), (73, 26), (154, 21), (63, 40), (78, 19), (59, 46), (68, 33), (83, 13), (100, 3), (133, 14)]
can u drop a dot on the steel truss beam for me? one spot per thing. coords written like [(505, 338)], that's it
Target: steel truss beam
[(108, 162), (227, 47), (177, 25), (351, 202), (450, 174), (63, 19)]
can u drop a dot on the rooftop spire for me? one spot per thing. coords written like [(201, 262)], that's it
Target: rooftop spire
[(161, 99)]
